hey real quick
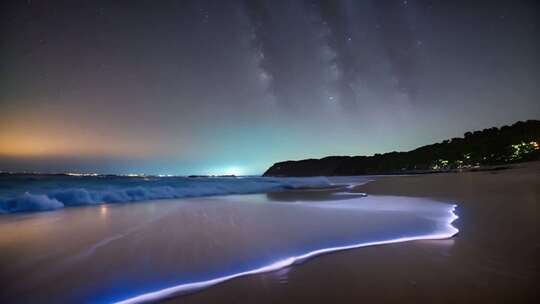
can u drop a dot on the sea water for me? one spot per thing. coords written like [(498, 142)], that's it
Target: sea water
[(135, 253), (35, 192)]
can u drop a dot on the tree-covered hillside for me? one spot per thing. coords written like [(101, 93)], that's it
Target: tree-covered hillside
[(494, 146)]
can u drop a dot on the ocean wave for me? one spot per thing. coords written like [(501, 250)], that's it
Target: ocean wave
[(29, 201), (58, 192)]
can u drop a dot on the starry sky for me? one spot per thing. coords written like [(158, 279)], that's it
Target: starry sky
[(219, 87)]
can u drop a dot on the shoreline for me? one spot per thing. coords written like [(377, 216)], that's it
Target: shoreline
[(192, 244), (174, 292), (493, 258)]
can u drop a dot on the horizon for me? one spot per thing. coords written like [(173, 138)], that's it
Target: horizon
[(231, 171)]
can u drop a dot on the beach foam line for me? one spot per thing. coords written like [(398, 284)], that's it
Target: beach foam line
[(177, 290)]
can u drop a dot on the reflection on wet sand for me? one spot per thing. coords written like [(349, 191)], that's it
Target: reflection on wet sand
[(115, 252)]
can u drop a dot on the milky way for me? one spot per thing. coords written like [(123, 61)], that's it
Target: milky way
[(180, 87)]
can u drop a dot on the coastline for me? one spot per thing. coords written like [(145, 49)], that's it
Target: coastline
[(492, 259), (162, 248)]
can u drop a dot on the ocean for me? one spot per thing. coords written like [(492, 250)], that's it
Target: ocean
[(38, 192), (186, 234)]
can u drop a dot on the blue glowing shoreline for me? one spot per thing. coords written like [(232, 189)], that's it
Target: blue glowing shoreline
[(181, 289)]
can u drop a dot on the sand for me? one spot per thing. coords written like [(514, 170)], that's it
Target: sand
[(494, 259), (112, 252)]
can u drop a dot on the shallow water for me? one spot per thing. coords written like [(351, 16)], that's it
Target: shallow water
[(157, 249)]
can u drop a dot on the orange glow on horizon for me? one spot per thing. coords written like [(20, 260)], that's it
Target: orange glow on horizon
[(60, 146), (47, 135)]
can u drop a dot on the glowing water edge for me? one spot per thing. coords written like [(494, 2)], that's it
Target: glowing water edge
[(135, 253)]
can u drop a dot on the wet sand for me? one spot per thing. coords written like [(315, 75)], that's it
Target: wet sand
[(492, 260)]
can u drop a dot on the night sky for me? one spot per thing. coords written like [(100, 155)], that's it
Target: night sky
[(183, 87)]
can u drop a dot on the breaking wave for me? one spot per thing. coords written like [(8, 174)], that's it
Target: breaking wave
[(53, 192)]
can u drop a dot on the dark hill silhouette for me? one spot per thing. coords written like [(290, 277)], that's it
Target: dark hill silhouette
[(494, 146)]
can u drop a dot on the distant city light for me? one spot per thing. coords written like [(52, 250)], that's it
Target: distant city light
[(81, 174), (523, 149)]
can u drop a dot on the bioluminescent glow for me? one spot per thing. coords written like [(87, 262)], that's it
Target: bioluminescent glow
[(214, 239), (446, 232)]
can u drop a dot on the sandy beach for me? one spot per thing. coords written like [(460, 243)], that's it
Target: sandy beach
[(115, 252), (493, 258)]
